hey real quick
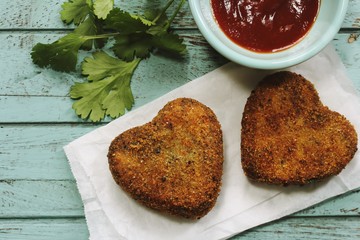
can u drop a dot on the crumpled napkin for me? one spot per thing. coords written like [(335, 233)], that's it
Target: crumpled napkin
[(112, 214)]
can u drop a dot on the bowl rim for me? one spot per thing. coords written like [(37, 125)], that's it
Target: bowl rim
[(247, 61)]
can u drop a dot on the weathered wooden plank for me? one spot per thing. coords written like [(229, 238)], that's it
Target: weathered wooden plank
[(306, 228), (43, 229), (347, 204), (151, 77), (18, 109), (350, 55), (60, 198), (46, 91), (25, 87), (39, 14), (50, 198), (284, 229), (36, 152), (32, 158), (352, 19), (36, 185)]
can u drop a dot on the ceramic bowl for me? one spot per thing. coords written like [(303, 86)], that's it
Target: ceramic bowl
[(327, 24)]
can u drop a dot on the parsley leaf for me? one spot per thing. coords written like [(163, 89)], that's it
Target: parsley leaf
[(108, 91), (60, 55), (103, 7), (75, 11)]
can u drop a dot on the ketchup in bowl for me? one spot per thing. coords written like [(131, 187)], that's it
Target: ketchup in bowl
[(265, 25)]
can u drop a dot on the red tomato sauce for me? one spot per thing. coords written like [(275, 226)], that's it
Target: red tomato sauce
[(265, 25)]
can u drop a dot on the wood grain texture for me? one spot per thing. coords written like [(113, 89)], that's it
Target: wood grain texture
[(46, 91), (151, 75), (289, 228), (38, 198), (38, 194), (306, 228), (32, 158), (350, 55), (40, 14), (44, 229), (36, 152), (60, 198)]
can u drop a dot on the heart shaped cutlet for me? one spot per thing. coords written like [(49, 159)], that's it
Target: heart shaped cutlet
[(173, 163), (289, 137)]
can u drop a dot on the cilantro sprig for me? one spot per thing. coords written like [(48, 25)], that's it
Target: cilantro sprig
[(107, 90)]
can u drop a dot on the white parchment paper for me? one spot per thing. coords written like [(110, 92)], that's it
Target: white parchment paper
[(112, 214)]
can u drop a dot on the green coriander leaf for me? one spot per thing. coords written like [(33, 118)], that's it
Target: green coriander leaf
[(108, 91), (155, 14), (157, 30), (91, 96), (169, 42), (150, 16), (101, 65), (144, 20), (116, 102), (60, 55), (75, 11), (124, 23), (162, 22), (87, 28), (127, 47), (91, 27), (103, 7)]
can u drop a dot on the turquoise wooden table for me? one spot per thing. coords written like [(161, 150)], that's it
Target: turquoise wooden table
[(38, 194)]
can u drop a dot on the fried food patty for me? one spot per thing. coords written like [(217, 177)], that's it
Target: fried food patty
[(289, 137), (173, 163)]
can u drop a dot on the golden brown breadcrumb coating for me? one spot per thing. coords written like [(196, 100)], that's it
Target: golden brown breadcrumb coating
[(289, 137), (173, 163)]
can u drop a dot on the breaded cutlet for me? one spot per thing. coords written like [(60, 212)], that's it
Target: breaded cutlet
[(289, 137), (173, 163)]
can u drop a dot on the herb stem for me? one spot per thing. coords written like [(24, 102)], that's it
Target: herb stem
[(106, 35), (163, 10), (176, 12)]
